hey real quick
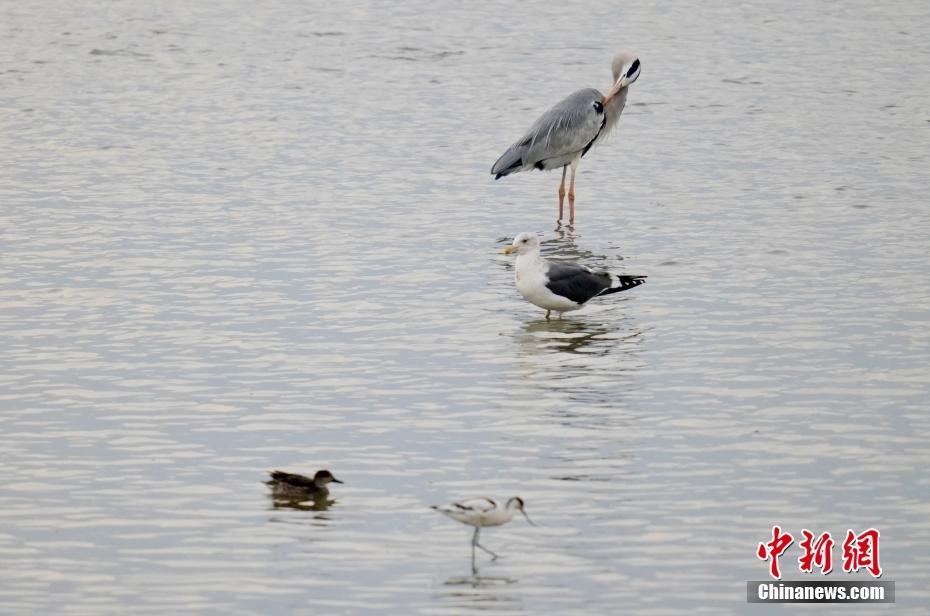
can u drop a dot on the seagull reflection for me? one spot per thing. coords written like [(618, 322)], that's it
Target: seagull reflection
[(591, 362), (565, 335), (577, 336)]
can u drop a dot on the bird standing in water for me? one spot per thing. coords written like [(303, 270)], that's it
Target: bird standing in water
[(560, 286), (565, 133), (482, 512)]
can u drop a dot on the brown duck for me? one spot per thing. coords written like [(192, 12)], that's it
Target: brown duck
[(293, 486)]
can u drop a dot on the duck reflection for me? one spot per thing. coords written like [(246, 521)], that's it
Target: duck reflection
[(314, 504)]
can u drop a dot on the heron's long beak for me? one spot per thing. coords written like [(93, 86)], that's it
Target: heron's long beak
[(532, 523), (510, 250), (623, 82)]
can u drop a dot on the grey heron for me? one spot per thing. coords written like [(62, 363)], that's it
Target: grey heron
[(565, 133)]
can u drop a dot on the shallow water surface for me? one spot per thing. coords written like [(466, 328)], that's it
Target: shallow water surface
[(237, 237)]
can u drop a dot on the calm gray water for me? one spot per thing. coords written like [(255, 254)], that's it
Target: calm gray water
[(237, 236)]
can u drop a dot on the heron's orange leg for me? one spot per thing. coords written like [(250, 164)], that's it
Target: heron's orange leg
[(562, 193), (571, 196)]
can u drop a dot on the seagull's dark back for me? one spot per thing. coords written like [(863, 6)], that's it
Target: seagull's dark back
[(579, 284)]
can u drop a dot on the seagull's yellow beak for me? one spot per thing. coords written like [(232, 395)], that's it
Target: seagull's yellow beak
[(510, 250)]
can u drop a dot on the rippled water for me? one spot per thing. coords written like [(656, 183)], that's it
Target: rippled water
[(239, 236)]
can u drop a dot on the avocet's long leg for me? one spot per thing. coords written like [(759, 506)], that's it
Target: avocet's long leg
[(495, 556)]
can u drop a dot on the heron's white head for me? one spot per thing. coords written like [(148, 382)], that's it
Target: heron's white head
[(626, 68), (516, 504), (523, 244)]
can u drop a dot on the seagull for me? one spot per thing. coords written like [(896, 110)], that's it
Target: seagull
[(481, 512), (560, 286), (565, 133), (293, 486)]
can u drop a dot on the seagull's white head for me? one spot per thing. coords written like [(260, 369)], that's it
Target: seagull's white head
[(516, 504), (626, 68), (523, 244)]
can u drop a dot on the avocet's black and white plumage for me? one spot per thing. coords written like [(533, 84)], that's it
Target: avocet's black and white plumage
[(565, 133), (561, 287), (481, 513)]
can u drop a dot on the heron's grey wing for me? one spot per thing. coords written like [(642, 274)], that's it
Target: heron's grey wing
[(559, 135), (576, 282)]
